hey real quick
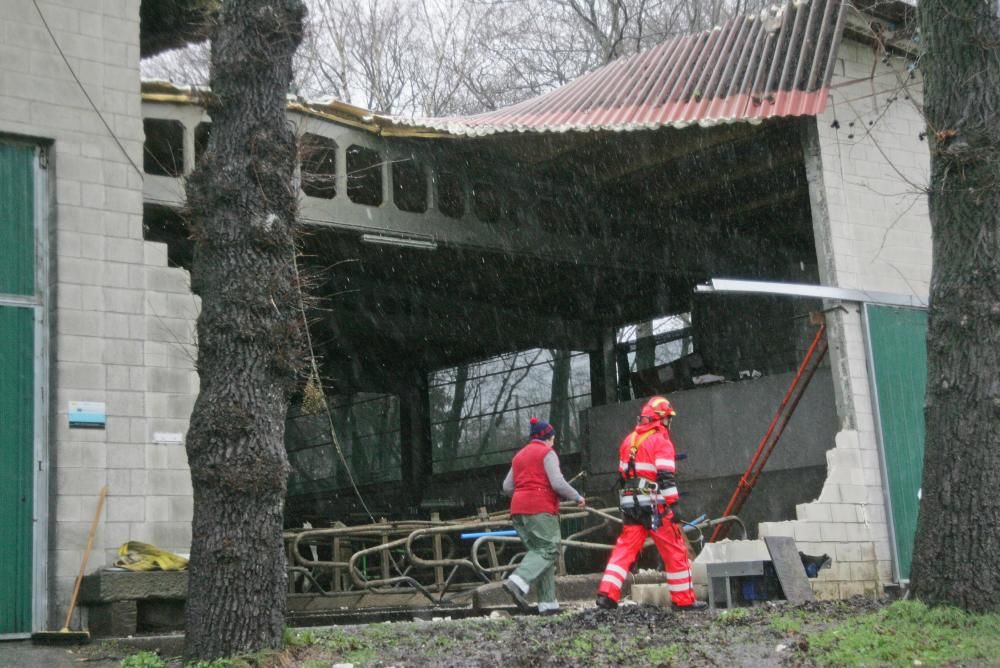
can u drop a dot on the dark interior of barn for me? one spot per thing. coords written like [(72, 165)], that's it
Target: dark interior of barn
[(583, 245)]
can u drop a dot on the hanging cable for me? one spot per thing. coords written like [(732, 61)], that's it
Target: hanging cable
[(84, 90), (314, 377)]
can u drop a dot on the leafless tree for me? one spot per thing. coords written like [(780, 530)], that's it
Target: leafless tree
[(442, 57)]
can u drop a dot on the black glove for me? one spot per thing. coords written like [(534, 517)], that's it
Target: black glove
[(676, 514)]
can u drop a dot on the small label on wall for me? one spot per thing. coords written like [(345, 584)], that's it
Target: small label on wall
[(87, 414), (168, 438)]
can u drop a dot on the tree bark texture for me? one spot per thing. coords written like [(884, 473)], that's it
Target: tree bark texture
[(958, 527), (242, 203)]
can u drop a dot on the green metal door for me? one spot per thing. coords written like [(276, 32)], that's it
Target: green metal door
[(17, 385), (898, 355), (17, 219)]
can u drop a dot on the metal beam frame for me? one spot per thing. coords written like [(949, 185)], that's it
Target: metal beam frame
[(812, 291)]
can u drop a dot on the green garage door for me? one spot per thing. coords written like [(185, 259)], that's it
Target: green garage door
[(17, 384), (17, 331), (898, 340)]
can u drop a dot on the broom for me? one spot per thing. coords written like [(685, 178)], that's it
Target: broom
[(64, 635)]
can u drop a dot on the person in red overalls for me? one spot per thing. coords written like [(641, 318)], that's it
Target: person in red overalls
[(648, 503)]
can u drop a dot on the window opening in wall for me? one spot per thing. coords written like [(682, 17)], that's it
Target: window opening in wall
[(486, 202), (318, 158), (494, 203), (367, 428), (409, 185), (364, 175), (163, 153), (658, 355), (480, 411), (552, 215), (450, 194), (166, 225), (201, 135)]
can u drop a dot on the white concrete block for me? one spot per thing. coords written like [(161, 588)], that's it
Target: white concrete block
[(124, 351), (853, 493), (776, 529), (119, 482), (157, 509), (808, 532), (79, 376), (168, 279), (169, 482), (813, 512), (139, 482), (844, 513), (833, 532), (155, 253), (848, 552), (864, 571), (85, 349), (117, 533), (80, 482), (80, 323), (173, 536), (126, 456), (177, 457), (126, 509)]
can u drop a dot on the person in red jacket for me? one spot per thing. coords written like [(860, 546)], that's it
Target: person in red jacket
[(535, 484), (648, 501)]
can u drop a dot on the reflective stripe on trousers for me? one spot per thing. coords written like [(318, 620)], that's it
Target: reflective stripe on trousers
[(673, 550)]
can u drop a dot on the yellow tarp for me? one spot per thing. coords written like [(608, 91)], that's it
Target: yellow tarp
[(136, 556)]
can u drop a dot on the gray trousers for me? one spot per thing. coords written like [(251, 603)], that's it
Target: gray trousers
[(540, 535)]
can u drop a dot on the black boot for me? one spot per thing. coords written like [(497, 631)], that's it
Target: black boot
[(518, 596), (605, 603), (697, 605)]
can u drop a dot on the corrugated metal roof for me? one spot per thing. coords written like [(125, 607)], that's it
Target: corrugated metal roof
[(777, 63)]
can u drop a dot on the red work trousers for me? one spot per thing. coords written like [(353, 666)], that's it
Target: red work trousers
[(669, 543)]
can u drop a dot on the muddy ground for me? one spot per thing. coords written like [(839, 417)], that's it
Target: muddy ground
[(773, 634)]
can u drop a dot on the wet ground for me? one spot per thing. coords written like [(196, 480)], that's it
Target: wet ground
[(772, 634), (631, 635), (25, 654)]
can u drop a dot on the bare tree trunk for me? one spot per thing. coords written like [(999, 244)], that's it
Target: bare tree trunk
[(453, 421), (242, 199), (559, 403), (958, 528)]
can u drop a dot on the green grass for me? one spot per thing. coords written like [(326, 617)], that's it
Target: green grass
[(734, 617), (663, 655), (586, 644), (143, 660), (906, 632), (788, 622)]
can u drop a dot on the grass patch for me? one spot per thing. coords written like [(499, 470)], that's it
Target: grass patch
[(663, 655), (909, 631), (788, 622), (143, 660), (586, 644), (734, 617)]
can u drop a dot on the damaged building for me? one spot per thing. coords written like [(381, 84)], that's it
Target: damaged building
[(728, 218)]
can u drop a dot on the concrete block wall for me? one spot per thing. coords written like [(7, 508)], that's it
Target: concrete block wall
[(122, 322), (875, 169), (873, 233)]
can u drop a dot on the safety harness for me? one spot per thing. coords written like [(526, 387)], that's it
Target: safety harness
[(639, 498)]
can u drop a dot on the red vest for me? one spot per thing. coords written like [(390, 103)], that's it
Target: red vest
[(532, 492)]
